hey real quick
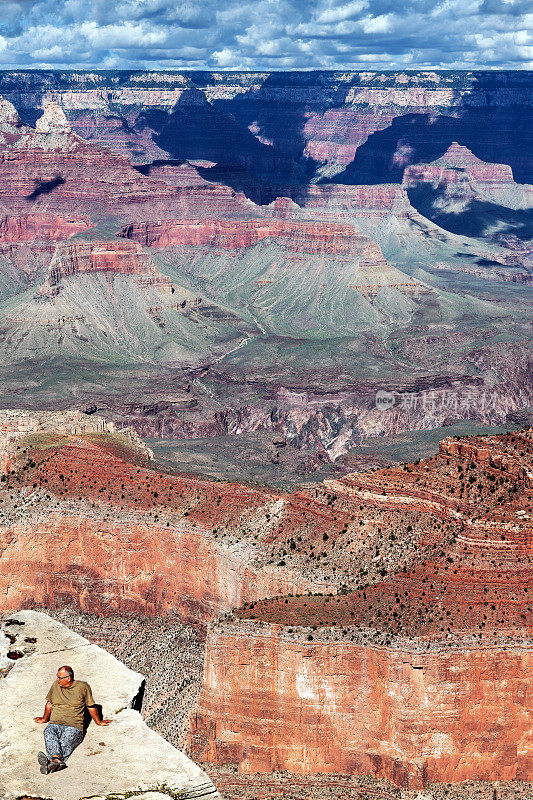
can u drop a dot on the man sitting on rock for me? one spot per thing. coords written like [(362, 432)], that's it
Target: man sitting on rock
[(65, 709)]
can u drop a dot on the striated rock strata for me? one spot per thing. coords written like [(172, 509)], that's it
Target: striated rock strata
[(307, 237), (45, 227), (53, 170), (397, 713), (125, 538), (285, 125), (417, 673), (460, 171), (120, 258)]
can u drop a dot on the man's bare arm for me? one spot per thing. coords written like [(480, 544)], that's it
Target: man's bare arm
[(93, 711), (47, 711)]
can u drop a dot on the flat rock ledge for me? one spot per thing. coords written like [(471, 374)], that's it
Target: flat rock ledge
[(125, 757)]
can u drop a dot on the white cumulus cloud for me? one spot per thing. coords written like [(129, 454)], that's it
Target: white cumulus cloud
[(266, 34)]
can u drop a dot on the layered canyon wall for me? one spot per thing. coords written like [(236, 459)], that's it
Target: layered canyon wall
[(120, 258), (41, 227), (316, 121), (270, 702), (307, 237), (417, 673), (120, 536)]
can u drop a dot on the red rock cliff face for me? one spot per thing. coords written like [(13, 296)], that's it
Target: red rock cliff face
[(54, 170), (307, 237), (121, 258), (119, 536), (196, 196), (341, 109), (485, 452), (51, 169), (363, 201), (107, 566), (272, 703), (46, 227)]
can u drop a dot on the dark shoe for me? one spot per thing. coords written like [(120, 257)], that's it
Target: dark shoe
[(55, 765), (43, 759)]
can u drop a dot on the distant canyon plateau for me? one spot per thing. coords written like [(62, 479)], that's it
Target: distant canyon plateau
[(266, 396)]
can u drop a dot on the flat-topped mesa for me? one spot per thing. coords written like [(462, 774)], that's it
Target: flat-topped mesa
[(45, 227), (454, 166), (362, 201), (119, 258), (297, 236), (15, 424)]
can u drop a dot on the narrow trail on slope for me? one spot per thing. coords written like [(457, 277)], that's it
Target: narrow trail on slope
[(242, 343), (259, 325)]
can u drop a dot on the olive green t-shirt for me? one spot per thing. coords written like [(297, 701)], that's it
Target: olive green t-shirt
[(68, 704)]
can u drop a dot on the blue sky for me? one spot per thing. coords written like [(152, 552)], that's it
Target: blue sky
[(266, 34)]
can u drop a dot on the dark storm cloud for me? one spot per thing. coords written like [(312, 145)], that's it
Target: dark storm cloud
[(266, 34)]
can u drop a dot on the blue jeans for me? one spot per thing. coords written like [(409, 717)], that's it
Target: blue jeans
[(61, 740)]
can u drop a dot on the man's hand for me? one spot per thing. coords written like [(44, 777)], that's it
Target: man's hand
[(47, 711), (93, 711)]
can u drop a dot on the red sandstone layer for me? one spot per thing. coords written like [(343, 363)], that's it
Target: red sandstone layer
[(363, 201), (71, 172), (53, 169), (118, 257), (269, 702), (307, 237), (46, 227), (103, 533), (109, 566), (457, 163)]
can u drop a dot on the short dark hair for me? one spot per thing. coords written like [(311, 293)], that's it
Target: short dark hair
[(68, 670)]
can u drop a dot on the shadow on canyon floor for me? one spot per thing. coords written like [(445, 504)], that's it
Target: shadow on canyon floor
[(422, 138), (257, 139), (474, 217)]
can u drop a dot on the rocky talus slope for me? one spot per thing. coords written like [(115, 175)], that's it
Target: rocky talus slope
[(36, 646), (419, 674), (106, 301)]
